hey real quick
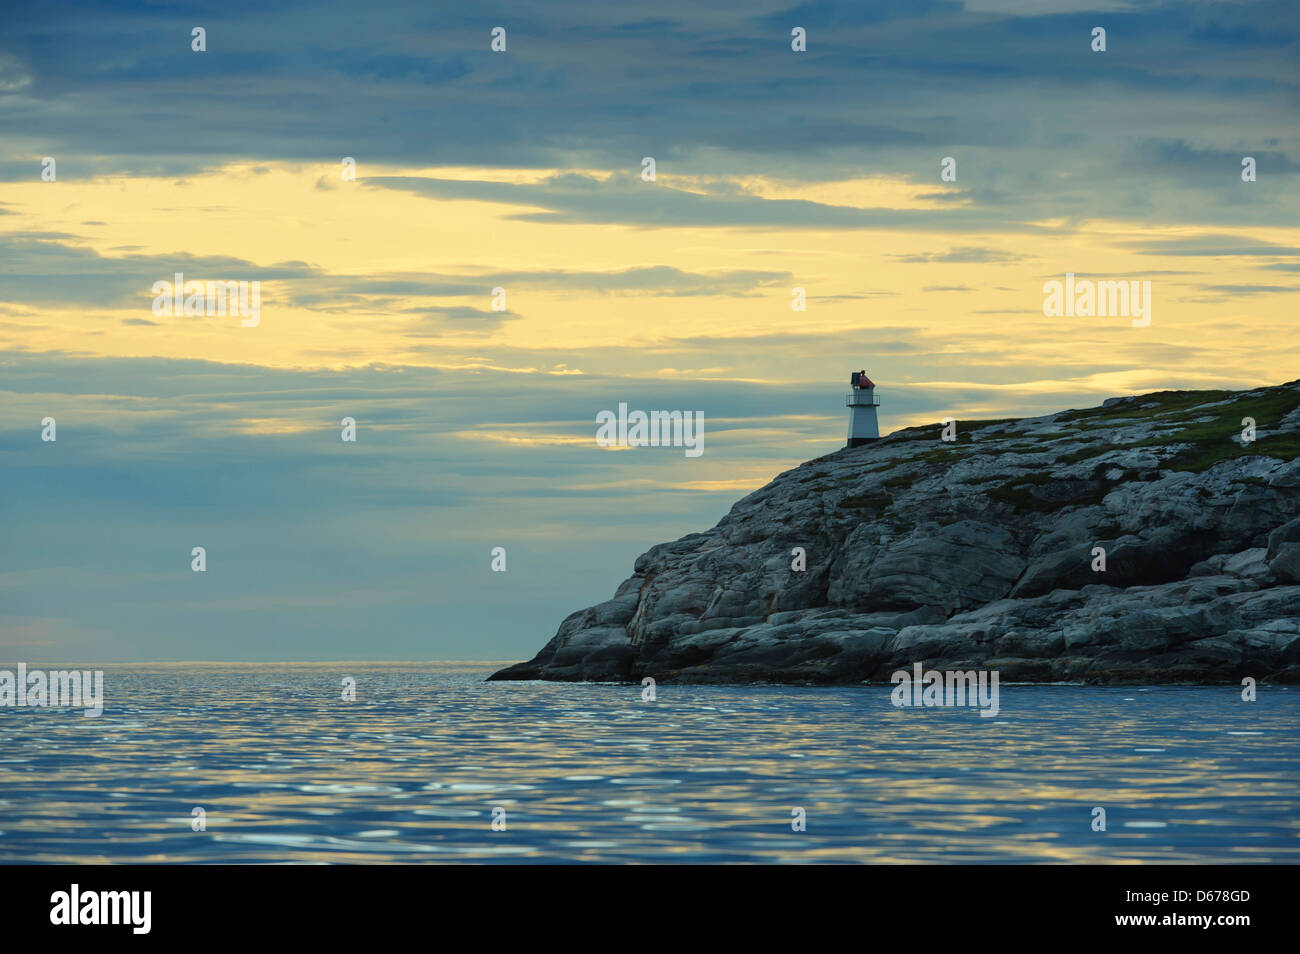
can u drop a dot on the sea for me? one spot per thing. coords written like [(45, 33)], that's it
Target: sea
[(430, 763)]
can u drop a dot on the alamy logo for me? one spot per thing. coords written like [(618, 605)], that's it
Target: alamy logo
[(59, 688), (1086, 299), (103, 907), (656, 429), (179, 297), (948, 688)]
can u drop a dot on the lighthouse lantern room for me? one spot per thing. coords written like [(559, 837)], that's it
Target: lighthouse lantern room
[(862, 405)]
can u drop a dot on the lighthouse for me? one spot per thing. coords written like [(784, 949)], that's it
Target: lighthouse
[(862, 410)]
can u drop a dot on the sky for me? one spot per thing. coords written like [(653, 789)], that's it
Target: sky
[(522, 170)]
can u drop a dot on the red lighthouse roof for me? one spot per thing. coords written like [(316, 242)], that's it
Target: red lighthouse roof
[(859, 379)]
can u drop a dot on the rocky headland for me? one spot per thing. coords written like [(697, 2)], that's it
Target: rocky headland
[(983, 554)]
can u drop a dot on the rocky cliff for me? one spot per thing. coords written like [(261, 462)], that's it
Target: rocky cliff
[(982, 553)]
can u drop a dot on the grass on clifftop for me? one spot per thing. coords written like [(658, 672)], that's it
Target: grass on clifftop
[(1214, 433), (1206, 435), (1136, 409)]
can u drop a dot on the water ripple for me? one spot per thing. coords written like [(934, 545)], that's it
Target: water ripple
[(287, 772)]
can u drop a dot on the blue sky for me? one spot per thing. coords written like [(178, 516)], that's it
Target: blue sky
[(523, 170)]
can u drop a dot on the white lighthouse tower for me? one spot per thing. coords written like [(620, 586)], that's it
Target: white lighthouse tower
[(862, 405)]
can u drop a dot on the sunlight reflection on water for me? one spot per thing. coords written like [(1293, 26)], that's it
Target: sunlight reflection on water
[(412, 770)]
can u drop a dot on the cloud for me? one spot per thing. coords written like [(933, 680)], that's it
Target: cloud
[(312, 540), (961, 254), (838, 14), (433, 322), (624, 199), (45, 268), (1218, 163), (1222, 246), (1012, 93), (336, 292), (1246, 290)]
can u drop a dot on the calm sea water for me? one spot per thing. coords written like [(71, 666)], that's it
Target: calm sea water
[(412, 771)]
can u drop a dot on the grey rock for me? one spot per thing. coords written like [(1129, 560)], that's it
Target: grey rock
[(1249, 564), (1283, 552), (979, 554)]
